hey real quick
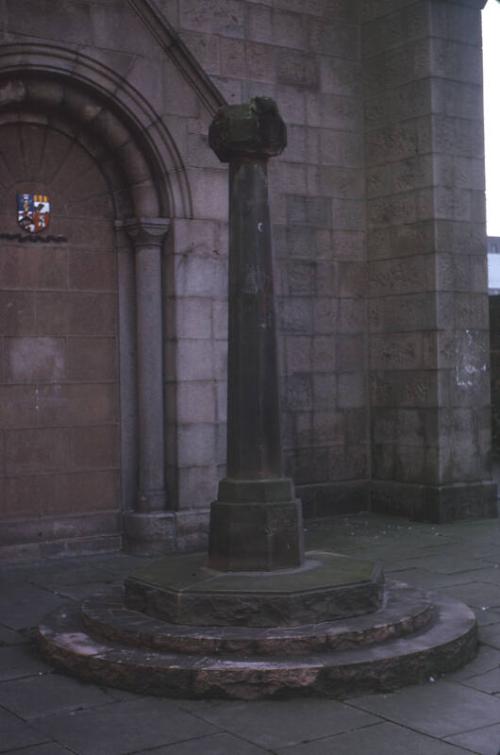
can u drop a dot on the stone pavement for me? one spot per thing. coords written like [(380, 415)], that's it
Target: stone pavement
[(45, 713)]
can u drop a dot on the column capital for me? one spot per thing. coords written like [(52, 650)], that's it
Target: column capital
[(145, 231), (252, 130)]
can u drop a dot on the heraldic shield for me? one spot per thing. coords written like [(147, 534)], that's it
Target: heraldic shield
[(33, 212)]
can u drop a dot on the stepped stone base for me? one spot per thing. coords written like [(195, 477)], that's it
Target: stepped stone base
[(410, 636)]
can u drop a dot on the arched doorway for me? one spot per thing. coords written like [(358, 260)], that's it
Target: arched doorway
[(82, 368), (60, 392)]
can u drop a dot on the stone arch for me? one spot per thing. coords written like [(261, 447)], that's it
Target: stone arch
[(69, 86), (85, 100)]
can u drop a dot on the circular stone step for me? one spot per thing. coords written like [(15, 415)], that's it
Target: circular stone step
[(445, 645), (405, 611)]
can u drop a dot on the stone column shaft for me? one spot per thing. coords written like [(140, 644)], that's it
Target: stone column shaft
[(254, 440), (147, 237), (256, 522), (147, 525), (150, 383)]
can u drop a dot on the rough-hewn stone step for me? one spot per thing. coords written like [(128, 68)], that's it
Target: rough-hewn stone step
[(446, 644), (405, 611)]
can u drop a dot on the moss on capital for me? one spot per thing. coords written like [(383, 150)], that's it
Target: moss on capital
[(254, 129)]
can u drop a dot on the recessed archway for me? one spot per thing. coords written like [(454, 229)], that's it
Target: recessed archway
[(99, 149)]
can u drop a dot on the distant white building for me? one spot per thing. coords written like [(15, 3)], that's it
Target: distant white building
[(494, 264)]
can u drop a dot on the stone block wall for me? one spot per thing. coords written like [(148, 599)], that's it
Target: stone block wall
[(196, 352), (379, 238), (494, 302), (428, 310), (307, 57)]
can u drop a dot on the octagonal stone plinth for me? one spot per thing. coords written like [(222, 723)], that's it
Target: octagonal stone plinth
[(182, 590)]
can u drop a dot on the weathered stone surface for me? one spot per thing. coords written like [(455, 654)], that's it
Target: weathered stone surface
[(182, 590), (255, 535), (442, 647), (439, 504), (148, 533), (256, 522), (404, 612), (253, 130), (405, 75), (427, 313)]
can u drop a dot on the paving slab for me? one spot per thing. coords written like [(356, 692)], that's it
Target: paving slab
[(275, 724), (18, 661), (15, 733), (50, 693), (489, 574), (26, 607), (427, 580), (66, 573), (491, 555), (441, 563), (487, 616), (369, 551), (487, 682), (479, 595), (18, 575), (486, 659), (484, 741), (80, 592), (402, 553), (11, 637), (216, 744), (485, 526), (124, 727), (51, 748), (441, 709), (490, 635), (122, 564), (458, 714), (381, 739)]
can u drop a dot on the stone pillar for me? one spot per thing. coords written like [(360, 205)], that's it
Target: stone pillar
[(149, 526), (428, 303), (256, 522)]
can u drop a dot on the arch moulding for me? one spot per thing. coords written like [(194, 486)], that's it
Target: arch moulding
[(66, 83)]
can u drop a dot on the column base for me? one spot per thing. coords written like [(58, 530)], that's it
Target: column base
[(149, 501), (255, 525), (435, 503), (150, 534)]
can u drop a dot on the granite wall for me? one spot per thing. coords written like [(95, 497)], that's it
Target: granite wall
[(428, 304), (378, 211)]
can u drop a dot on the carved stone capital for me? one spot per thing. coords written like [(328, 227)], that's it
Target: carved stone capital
[(145, 231), (252, 130)]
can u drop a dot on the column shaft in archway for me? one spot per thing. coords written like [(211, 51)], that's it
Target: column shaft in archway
[(146, 524)]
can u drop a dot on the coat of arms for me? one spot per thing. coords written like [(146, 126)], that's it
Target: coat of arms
[(33, 212)]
